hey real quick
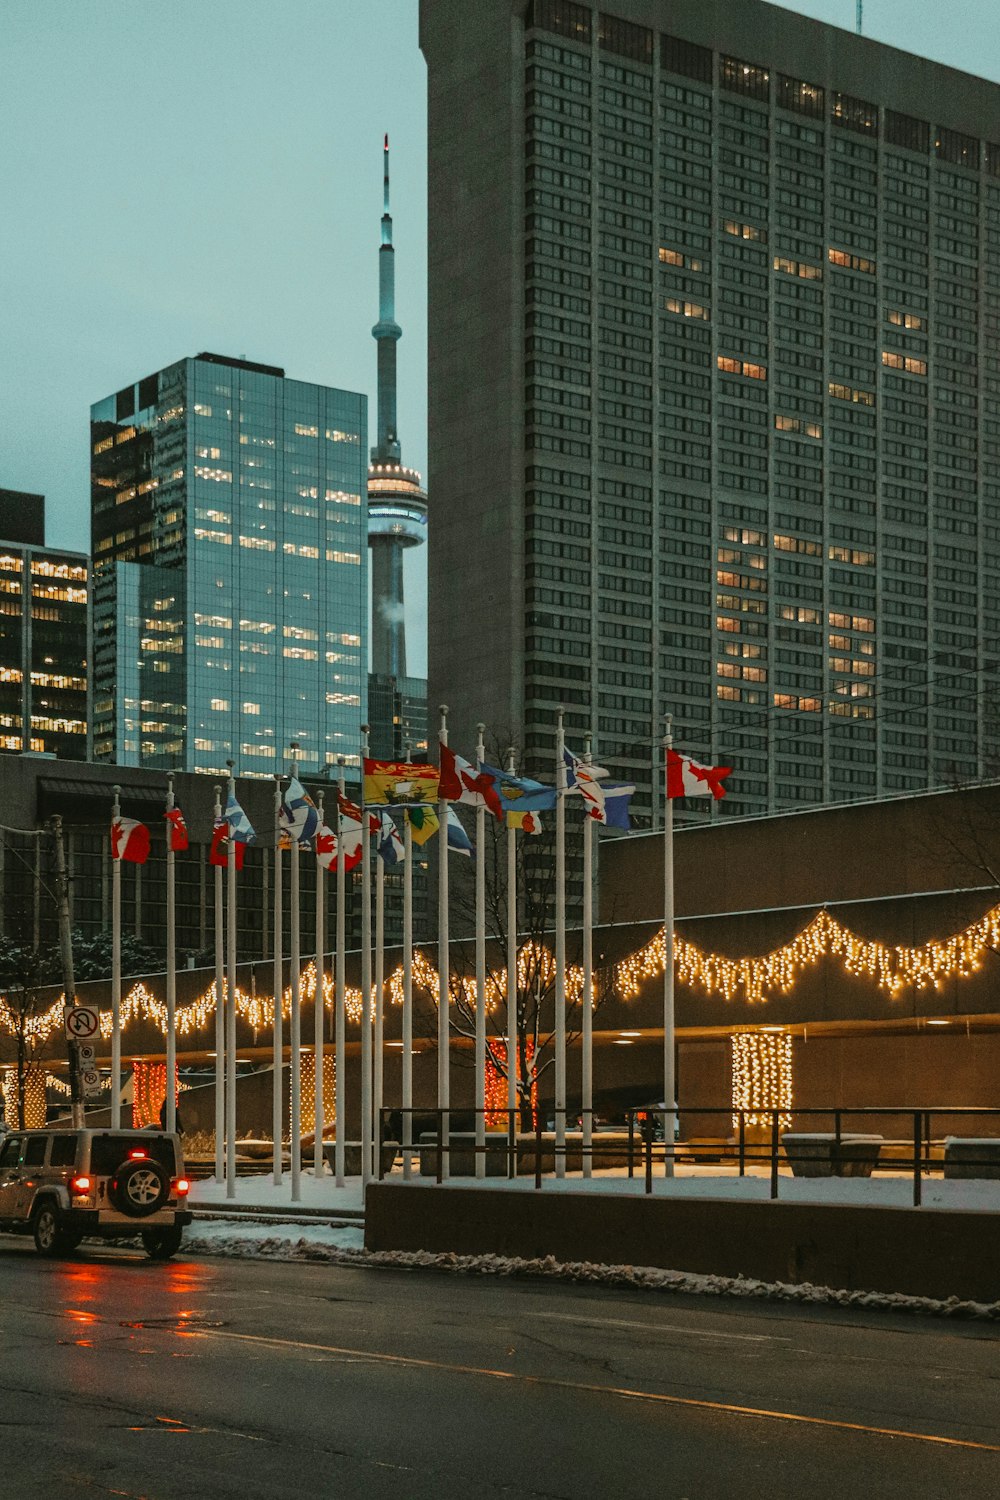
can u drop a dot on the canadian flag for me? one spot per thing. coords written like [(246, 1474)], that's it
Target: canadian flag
[(218, 854), (686, 778), (177, 833), (129, 840), (326, 846), (461, 782)]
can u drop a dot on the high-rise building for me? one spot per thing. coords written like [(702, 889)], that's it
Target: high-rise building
[(230, 556), (44, 615), (714, 393)]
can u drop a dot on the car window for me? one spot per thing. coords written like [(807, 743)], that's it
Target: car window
[(107, 1152), (34, 1151), (10, 1151), (63, 1153)]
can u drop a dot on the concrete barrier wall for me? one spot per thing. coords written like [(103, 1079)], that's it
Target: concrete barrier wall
[(922, 1252)]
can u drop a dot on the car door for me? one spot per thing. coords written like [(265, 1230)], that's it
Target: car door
[(10, 1173), (30, 1174)]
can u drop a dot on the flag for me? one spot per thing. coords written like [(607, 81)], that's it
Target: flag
[(686, 778), (350, 836), (573, 764), (458, 840), (239, 824), (423, 823), (219, 852), (298, 812), (520, 793), (388, 844), (617, 797), (399, 783), (526, 821), (177, 834), (326, 846), (462, 782), (129, 841)]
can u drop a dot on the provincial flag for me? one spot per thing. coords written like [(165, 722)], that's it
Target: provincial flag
[(177, 834), (298, 813), (129, 841), (423, 823), (686, 778), (462, 782), (573, 764), (519, 793), (218, 854), (400, 783), (527, 821), (458, 840), (388, 844), (614, 810), (240, 826)]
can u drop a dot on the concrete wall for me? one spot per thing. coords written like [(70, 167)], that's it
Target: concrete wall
[(922, 1252)]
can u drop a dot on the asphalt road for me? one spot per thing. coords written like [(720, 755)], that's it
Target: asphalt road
[(210, 1378)]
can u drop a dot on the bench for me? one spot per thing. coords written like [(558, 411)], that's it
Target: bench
[(816, 1154), (972, 1156)]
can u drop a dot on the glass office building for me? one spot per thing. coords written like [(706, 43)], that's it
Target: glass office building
[(715, 405), (230, 553), (44, 599)]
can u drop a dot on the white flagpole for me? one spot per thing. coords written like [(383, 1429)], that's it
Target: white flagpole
[(379, 1079), (444, 967), (407, 1142), (366, 978), (319, 1024), (339, 1022), (116, 970), (560, 994), (295, 1023), (669, 1081), (170, 1111), (220, 1015), (587, 1017), (231, 1006), (278, 1080), (512, 963), (480, 1088)]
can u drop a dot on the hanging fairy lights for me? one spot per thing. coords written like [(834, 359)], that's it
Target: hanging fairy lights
[(308, 1076), (495, 1094), (34, 1079), (762, 1077), (751, 978)]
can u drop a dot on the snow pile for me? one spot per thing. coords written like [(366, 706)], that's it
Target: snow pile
[(345, 1247)]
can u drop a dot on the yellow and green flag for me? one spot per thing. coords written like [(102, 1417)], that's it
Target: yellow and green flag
[(400, 783)]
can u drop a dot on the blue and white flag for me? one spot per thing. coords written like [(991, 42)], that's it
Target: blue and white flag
[(298, 814), (240, 827), (388, 844), (519, 794), (573, 764), (606, 802), (616, 801), (458, 840)]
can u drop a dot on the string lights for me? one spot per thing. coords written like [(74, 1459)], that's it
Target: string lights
[(34, 1097), (495, 1093), (751, 978), (308, 1077), (762, 1077)]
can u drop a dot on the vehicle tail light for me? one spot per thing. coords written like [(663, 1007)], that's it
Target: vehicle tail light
[(181, 1186), (80, 1185)]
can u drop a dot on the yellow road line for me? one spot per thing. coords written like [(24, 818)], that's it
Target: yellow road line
[(622, 1392)]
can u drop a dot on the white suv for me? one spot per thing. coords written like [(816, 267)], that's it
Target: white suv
[(65, 1185)]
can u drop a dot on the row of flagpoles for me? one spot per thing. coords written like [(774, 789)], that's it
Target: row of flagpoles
[(423, 794)]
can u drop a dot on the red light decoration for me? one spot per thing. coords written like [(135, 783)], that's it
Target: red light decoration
[(149, 1090), (495, 1100)]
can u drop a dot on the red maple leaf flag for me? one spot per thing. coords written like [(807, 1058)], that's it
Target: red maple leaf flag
[(129, 841), (461, 782), (219, 852), (686, 778), (176, 829)]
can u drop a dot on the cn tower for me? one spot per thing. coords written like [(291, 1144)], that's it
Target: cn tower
[(397, 506)]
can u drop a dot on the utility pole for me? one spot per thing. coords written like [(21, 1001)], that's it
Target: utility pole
[(861, 4), (66, 955)]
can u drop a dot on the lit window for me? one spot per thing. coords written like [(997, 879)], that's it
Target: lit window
[(220, 705), (303, 431)]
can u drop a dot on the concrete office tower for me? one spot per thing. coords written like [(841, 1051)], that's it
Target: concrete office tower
[(714, 394), (397, 506), (228, 528), (44, 613)]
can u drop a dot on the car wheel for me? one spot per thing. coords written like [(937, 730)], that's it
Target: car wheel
[(139, 1188), (50, 1237), (161, 1244)]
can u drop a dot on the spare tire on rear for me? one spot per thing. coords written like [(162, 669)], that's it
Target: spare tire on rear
[(139, 1188)]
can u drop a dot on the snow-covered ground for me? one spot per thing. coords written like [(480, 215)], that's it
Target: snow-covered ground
[(260, 1192), (344, 1247)]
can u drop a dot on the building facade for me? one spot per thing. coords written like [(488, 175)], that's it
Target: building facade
[(44, 646), (714, 394), (229, 543)]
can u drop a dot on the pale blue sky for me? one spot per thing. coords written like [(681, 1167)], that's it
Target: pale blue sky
[(207, 175)]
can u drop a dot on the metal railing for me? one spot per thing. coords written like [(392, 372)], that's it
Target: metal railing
[(756, 1141)]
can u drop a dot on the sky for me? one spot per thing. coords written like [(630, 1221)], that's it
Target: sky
[(208, 175)]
